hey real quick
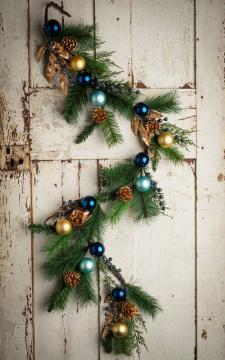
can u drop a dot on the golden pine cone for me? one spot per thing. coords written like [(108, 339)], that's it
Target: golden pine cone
[(124, 193), (99, 115), (78, 217), (71, 278), (129, 311), (69, 43)]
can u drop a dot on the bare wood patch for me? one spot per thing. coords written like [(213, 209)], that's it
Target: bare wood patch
[(14, 158)]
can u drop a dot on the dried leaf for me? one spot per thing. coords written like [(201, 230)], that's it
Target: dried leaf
[(144, 135), (63, 83), (49, 72), (135, 125), (40, 53)]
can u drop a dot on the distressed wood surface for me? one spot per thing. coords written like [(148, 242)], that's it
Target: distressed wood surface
[(160, 46)]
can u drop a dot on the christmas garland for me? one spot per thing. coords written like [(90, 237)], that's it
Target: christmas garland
[(75, 250)]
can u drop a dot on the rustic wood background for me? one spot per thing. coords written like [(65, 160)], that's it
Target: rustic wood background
[(161, 45)]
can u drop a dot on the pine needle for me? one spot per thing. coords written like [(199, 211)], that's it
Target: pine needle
[(59, 299), (111, 130), (88, 130), (74, 103), (166, 103), (145, 302), (145, 205), (42, 228), (85, 290), (117, 209), (122, 103), (174, 154)]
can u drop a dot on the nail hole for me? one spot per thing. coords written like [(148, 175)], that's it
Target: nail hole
[(12, 162), (8, 150), (20, 161)]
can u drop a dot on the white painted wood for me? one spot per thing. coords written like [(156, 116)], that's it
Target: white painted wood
[(163, 43), (53, 138), (15, 268), (210, 180), (75, 330)]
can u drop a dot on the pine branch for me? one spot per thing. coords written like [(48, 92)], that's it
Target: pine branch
[(122, 103), (85, 290), (145, 302), (174, 154), (124, 345), (181, 135), (166, 103), (103, 197), (88, 130), (117, 210), (59, 242), (42, 228), (145, 205), (59, 299), (93, 229), (74, 103), (111, 130), (107, 343)]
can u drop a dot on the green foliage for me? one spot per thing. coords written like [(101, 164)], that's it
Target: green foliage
[(122, 103), (145, 205), (166, 103), (88, 130), (138, 328), (103, 197), (41, 228), (93, 229), (59, 242), (111, 130), (122, 174), (107, 343), (124, 345), (85, 290), (59, 299), (183, 135), (143, 300), (74, 103), (117, 210)]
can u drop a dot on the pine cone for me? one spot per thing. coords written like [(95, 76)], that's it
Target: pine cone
[(124, 193), (69, 43), (153, 126), (78, 217), (99, 115), (71, 278), (129, 311)]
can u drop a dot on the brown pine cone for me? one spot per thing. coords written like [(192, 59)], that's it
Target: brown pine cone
[(69, 43), (124, 193), (71, 278), (99, 115), (153, 126), (78, 217), (129, 311)]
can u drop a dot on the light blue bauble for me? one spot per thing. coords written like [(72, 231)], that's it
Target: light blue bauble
[(87, 265), (143, 183), (98, 98)]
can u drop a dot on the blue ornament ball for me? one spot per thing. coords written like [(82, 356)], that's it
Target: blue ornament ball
[(84, 78), (119, 293), (86, 265), (88, 203), (143, 183), (98, 98), (97, 249), (52, 27), (141, 159), (141, 109)]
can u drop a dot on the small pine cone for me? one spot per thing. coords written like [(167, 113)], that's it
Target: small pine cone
[(153, 126), (71, 278), (78, 217), (99, 115), (69, 43), (129, 311), (124, 193)]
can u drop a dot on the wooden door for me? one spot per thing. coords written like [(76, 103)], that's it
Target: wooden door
[(160, 45)]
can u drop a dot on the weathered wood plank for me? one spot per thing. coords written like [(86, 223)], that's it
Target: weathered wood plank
[(163, 43), (74, 331), (52, 137), (15, 268), (14, 117), (210, 180), (81, 12)]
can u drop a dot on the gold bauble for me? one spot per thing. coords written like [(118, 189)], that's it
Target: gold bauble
[(63, 227), (120, 329), (77, 63), (165, 139)]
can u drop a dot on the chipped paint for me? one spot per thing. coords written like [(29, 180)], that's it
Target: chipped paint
[(204, 334)]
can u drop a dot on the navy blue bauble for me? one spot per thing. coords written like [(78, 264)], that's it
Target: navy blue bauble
[(141, 159), (84, 78), (88, 203), (119, 293), (52, 27), (141, 109), (97, 249)]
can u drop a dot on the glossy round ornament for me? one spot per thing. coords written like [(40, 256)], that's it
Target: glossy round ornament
[(77, 63), (143, 183), (52, 27), (63, 227), (165, 139), (88, 203), (86, 265), (84, 78), (98, 98), (119, 329), (119, 293), (141, 109), (97, 249), (141, 159)]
